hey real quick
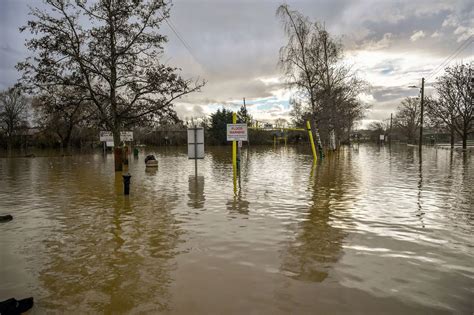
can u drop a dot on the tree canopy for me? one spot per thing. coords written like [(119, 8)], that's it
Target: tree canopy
[(110, 50)]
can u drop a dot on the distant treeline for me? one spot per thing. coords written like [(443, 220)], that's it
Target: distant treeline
[(32, 127)]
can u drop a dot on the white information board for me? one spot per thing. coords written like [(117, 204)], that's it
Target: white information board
[(107, 136), (382, 137), (237, 132), (195, 143), (126, 136)]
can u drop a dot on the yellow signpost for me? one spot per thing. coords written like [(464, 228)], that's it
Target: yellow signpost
[(313, 148), (234, 151)]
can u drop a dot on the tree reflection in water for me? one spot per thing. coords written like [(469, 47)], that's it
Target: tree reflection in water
[(109, 252), (317, 244)]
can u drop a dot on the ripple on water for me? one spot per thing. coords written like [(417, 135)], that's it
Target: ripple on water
[(370, 225)]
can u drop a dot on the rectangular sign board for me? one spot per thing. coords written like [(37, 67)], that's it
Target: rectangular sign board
[(107, 136), (196, 143), (126, 136), (382, 137), (237, 132)]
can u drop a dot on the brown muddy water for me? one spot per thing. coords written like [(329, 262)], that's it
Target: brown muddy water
[(368, 230)]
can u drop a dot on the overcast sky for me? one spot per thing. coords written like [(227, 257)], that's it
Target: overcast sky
[(234, 46)]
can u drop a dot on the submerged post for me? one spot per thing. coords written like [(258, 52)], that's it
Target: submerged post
[(313, 148), (126, 184)]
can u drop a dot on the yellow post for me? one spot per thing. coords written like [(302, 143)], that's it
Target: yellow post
[(313, 148), (234, 149)]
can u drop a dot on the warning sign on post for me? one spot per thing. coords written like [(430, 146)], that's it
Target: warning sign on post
[(237, 132), (107, 136)]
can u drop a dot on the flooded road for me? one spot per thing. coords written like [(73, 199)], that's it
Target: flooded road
[(368, 230)]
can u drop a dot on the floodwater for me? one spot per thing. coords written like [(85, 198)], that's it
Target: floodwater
[(369, 230)]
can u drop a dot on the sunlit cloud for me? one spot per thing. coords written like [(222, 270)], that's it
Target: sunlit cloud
[(235, 47), (417, 35)]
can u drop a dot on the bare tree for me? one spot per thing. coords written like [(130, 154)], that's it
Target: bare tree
[(111, 50), (281, 123), (312, 63), (13, 113), (379, 128), (454, 106), (61, 110), (407, 118), (299, 59)]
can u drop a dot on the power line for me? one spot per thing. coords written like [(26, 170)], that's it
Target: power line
[(178, 35), (453, 55)]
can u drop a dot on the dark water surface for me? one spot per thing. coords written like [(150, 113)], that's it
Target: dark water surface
[(368, 230)]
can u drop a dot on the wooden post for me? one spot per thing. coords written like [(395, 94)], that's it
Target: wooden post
[(421, 116), (247, 122), (390, 136)]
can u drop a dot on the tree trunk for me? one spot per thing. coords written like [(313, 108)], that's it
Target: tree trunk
[(9, 147), (117, 151), (452, 137), (464, 141)]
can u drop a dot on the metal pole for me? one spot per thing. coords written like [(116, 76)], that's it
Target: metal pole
[(421, 116), (234, 148), (313, 148)]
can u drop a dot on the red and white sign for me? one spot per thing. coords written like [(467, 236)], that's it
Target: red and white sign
[(237, 132)]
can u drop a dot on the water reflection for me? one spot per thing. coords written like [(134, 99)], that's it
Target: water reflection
[(290, 239), (108, 252), (317, 245), (420, 214), (196, 197), (238, 204)]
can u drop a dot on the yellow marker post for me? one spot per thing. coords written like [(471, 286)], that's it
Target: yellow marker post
[(313, 148), (234, 151)]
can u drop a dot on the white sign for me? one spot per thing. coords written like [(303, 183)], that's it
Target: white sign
[(196, 143), (110, 144), (126, 136), (237, 132), (382, 137), (107, 136)]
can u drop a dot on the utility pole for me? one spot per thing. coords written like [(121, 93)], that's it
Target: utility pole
[(421, 116), (246, 121), (390, 136)]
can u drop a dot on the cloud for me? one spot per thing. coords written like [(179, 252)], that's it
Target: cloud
[(464, 32), (235, 46), (417, 35)]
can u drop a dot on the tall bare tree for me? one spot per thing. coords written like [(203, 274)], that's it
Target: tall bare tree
[(13, 113), (312, 62), (111, 50), (454, 106), (407, 118)]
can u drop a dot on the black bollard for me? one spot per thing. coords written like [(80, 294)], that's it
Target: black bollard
[(126, 184), (6, 218)]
